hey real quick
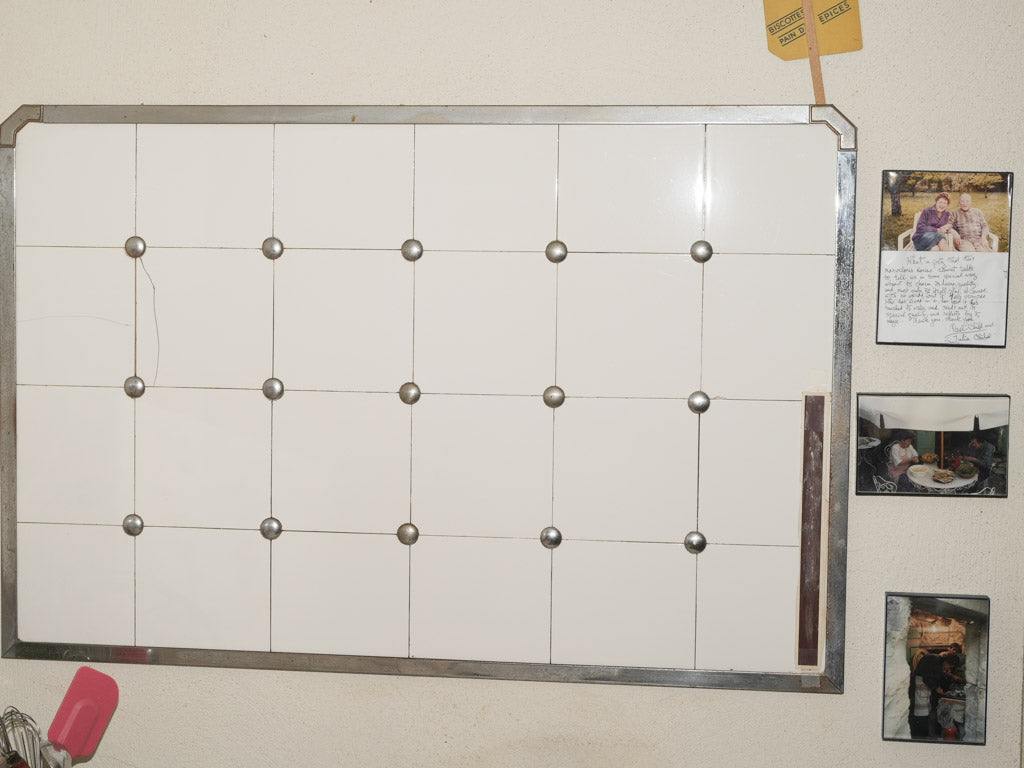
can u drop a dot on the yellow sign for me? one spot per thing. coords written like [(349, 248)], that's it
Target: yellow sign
[(838, 27)]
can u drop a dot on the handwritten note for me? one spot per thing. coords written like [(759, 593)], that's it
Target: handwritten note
[(943, 298)]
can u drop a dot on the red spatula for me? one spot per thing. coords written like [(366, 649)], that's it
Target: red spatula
[(84, 714)]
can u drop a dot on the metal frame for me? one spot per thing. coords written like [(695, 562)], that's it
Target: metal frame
[(830, 677)]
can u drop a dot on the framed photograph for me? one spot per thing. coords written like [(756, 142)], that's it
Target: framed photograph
[(932, 444), (936, 668), (944, 266)]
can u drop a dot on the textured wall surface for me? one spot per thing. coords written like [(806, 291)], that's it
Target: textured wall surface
[(934, 88)]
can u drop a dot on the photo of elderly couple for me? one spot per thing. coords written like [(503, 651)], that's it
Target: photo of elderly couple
[(946, 211)]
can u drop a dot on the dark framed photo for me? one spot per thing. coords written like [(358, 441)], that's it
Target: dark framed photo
[(948, 445), (943, 271), (936, 668)]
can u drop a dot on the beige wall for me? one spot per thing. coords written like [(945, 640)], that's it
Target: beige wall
[(934, 87)]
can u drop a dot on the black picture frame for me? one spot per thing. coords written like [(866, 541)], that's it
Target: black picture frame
[(935, 682), (945, 432), (956, 297)]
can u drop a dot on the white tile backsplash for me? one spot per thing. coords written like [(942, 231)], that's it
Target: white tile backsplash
[(629, 325), (343, 186), (343, 320), (751, 488), (75, 316), (75, 584), (74, 454), (205, 185), (203, 458), (753, 302), (341, 461), (485, 323), (483, 599), (625, 469), (740, 588), (771, 189), (486, 187), (481, 466), (340, 593), (75, 185), (205, 317), (630, 188), (623, 604), (203, 589)]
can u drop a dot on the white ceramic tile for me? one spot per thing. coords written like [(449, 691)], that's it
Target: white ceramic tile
[(625, 469), (487, 187), (203, 457), (771, 189), (768, 326), (338, 593), (480, 599), (485, 323), (481, 466), (629, 325), (630, 187), (75, 315), (205, 185), (622, 604), (76, 184), (341, 461), (205, 318), (74, 454), (343, 186), (747, 608), (203, 589), (343, 320), (75, 584), (751, 457)]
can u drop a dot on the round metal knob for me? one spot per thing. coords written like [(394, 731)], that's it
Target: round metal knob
[(273, 248), (701, 251), (408, 534), (551, 537), (698, 402), (271, 528), (273, 389), (556, 251), (134, 386), (554, 396), (409, 393), (695, 542), (412, 249), (135, 246), (132, 525)]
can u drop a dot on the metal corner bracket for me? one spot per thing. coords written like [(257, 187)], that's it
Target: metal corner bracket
[(838, 122), (27, 113)]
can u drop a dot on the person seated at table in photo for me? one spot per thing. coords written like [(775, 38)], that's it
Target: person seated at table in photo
[(902, 455), (933, 225), (970, 229), (982, 454)]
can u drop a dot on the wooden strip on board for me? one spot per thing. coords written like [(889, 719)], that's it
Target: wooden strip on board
[(810, 529)]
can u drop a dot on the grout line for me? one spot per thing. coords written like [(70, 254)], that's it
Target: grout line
[(135, 590), (273, 178), (645, 398), (551, 608), (696, 592), (558, 172), (270, 599), (413, 201), (391, 249)]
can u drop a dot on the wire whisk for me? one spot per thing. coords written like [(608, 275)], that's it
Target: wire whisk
[(19, 733)]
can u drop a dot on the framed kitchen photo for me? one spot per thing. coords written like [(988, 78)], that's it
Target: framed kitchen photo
[(943, 272), (936, 668), (947, 445)]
